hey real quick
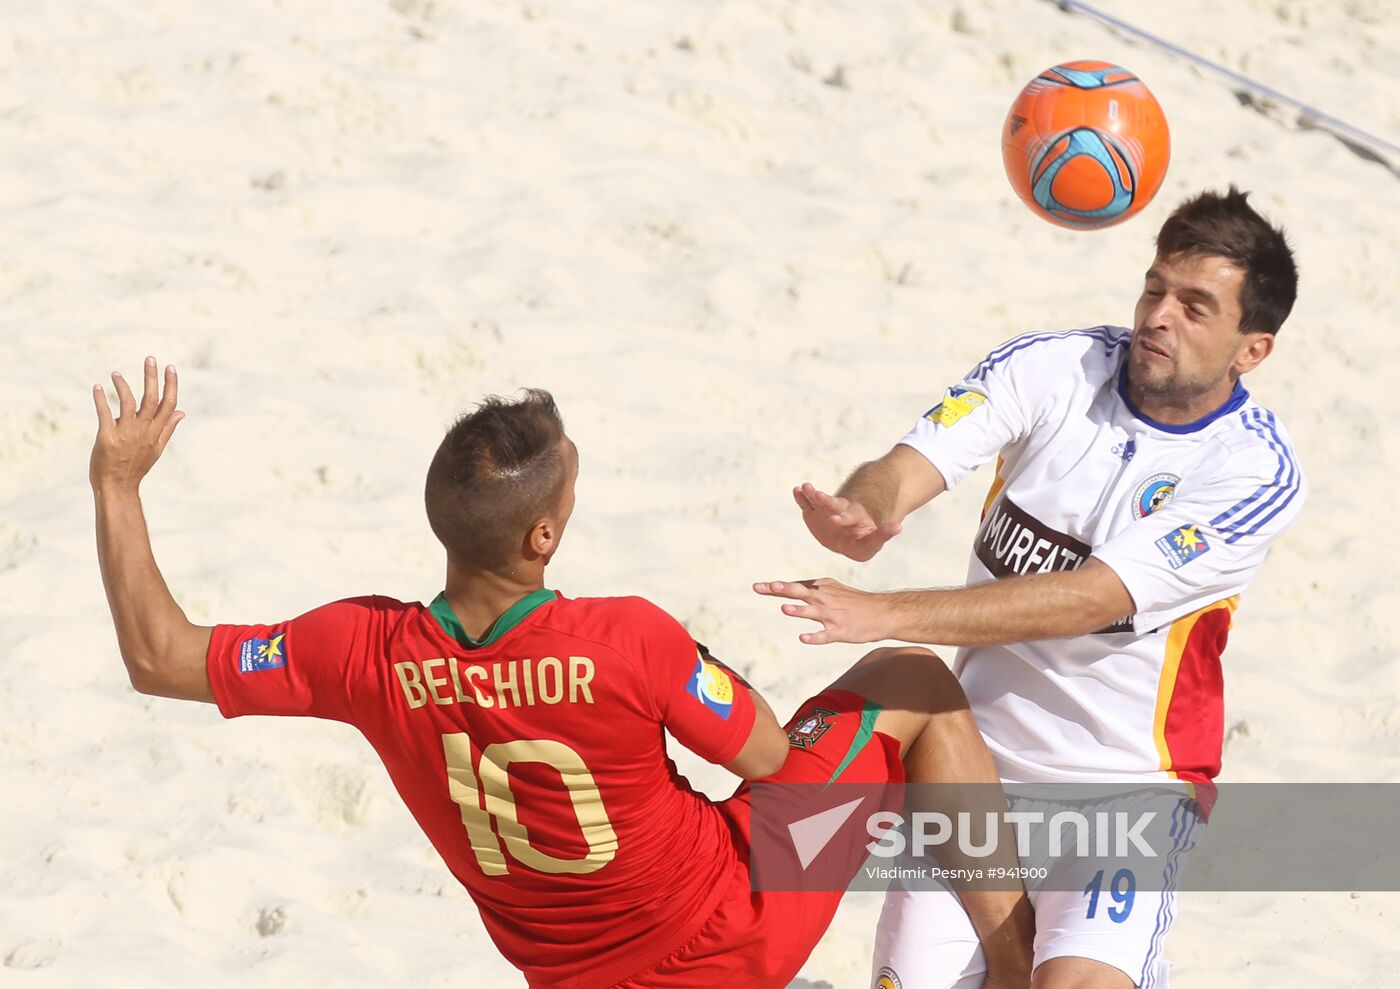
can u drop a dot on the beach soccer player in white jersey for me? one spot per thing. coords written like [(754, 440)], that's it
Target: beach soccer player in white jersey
[(1137, 490)]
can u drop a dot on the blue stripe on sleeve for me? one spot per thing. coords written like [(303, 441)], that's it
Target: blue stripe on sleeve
[(1285, 485), (1263, 488), (1108, 336), (1294, 482)]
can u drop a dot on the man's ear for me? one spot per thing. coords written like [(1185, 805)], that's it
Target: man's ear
[(1258, 346), (542, 537)]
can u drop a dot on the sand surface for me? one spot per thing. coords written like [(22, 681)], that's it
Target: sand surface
[(744, 243)]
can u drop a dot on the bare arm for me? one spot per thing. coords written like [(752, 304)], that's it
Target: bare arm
[(767, 747), (871, 506), (164, 653), (1017, 609), (895, 485), (765, 750)]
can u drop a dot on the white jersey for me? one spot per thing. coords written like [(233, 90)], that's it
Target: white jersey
[(1184, 514)]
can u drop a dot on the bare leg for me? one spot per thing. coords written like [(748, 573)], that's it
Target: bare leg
[(1071, 972), (923, 707)]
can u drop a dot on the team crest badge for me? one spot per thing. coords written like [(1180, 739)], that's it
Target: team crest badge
[(711, 686), (957, 403), (805, 732), (886, 979), (261, 654), (1154, 493), (1183, 545)]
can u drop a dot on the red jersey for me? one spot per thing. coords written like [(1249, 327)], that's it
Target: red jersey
[(534, 760)]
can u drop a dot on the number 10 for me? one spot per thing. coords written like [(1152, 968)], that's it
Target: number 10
[(467, 789)]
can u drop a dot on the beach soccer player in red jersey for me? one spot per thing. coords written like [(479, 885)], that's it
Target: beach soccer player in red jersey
[(523, 729)]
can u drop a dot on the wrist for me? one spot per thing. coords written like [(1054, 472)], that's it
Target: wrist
[(111, 491), (889, 616)]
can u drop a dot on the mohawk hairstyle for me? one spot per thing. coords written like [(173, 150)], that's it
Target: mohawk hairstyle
[(496, 473)]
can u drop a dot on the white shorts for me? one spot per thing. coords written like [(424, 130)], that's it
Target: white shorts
[(926, 941)]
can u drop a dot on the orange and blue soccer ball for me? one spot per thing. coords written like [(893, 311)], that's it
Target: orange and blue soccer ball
[(1086, 145)]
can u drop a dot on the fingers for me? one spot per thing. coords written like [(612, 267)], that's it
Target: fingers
[(171, 394), (167, 431), (126, 402), (150, 390), (844, 512), (104, 411), (823, 500), (810, 498), (801, 591), (796, 590)]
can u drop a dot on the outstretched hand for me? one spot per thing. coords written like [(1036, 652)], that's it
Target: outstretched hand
[(128, 446), (841, 525), (845, 614)]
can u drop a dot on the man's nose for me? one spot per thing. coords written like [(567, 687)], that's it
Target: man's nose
[(1161, 312)]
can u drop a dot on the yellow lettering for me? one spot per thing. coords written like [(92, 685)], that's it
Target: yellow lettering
[(547, 666), (473, 673), (434, 682), (505, 685), (527, 682), (412, 683), (580, 676), (457, 682)]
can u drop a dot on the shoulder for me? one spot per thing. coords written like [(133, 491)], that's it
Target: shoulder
[(352, 619), (1256, 443), (364, 606), (617, 620), (1257, 465), (1095, 351)]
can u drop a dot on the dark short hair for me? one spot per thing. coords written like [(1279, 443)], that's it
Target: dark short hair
[(497, 472), (1226, 226)]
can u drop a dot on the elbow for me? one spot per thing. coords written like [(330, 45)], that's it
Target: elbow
[(144, 674), (763, 754), (771, 762), (1095, 619), (143, 680), (770, 758)]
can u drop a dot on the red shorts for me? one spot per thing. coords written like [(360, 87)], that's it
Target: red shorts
[(760, 938)]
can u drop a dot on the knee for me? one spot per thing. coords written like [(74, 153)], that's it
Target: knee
[(881, 654), (905, 678)]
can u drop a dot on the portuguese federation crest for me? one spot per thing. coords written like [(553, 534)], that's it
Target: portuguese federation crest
[(806, 730)]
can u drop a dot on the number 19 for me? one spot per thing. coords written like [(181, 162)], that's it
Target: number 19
[(1123, 888)]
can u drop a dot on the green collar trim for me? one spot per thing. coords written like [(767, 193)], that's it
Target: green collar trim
[(511, 617)]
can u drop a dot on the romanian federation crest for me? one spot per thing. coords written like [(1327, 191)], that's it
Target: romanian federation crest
[(1153, 493), (886, 979)]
